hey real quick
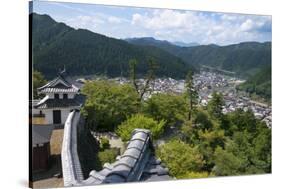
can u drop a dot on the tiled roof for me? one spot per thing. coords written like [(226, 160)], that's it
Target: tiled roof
[(58, 90), (46, 103), (41, 134), (137, 163), (59, 84)]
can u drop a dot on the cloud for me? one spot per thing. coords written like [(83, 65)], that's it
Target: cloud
[(115, 20), (85, 22), (165, 24), (164, 19), (219, 28), (95, 21), (261, 25)]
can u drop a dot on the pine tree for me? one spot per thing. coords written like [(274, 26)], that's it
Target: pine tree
[(215, 105), (191, 94)]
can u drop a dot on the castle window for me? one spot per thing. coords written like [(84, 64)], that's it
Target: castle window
[(64, 96), (57, 96)]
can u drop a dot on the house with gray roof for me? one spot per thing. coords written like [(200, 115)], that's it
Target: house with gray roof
[(41, 136)]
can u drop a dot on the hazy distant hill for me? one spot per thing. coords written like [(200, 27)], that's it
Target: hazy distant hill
[(83, 52), (245, 58), (182, 44)]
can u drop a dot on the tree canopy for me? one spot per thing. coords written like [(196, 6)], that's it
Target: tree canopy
[(37, 81), (140, 121), (108, 104), (215, 105), (180, 158), (168, 107)]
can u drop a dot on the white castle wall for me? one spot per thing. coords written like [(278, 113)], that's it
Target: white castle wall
[(49, 115)]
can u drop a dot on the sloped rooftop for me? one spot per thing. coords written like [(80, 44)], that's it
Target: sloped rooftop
[(41, 134), (62, 84), (45, 103), (138, 163)]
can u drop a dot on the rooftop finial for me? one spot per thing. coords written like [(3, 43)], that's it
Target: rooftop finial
[(61, 72)]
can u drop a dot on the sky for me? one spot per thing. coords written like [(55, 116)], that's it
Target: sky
[(163, 24)]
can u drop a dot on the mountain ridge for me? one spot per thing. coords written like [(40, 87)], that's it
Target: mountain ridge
[(83, 52), (243, 58)]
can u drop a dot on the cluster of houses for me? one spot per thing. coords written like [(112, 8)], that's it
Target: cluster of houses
[(207, 82)]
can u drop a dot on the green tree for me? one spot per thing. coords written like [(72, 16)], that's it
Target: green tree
[(226, 163), (140, 121), (108, 104), (150, 75), (241, 120), (215, 105), (180, 158), (205, 133), (168, 107), (191, 94), (245, 153), (202, 120), (37, 81)]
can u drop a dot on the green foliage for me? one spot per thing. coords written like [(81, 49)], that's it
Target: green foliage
[(180, 158), (140, 121), (226, 163), (202, 120), (168, 107), (37, 81), (104, 144), (215, 105), (108, 155), (247, 152), (192, 174), (259, 83), (240, 120), (108, 104)]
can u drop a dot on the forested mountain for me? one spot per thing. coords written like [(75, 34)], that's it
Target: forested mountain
[(259, 84), (83, 52), (159, 43), (245, 59)]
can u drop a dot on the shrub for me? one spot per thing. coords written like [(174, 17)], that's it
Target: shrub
[(108, 155), (104, 144), (180, 158), (140, 121)]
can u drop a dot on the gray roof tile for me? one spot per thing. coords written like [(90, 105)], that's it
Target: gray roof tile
[(132, 152), (41, 134), (140, 135), (133, 165), (136, 144), (128, 161)]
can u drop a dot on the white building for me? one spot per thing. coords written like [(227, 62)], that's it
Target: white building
[(61, 97)]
